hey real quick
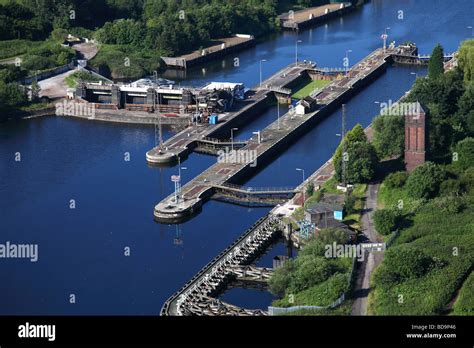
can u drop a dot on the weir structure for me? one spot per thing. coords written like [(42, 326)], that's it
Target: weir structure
[(196, 296)]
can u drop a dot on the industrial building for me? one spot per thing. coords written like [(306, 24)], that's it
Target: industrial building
[(162, 95)]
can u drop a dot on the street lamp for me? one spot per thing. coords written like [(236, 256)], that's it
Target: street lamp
[(346, 61), (472, 30), (304, 193), (296, 51), (232, 137), (278, 108), (261, 61), (259, 136), (384, 37)]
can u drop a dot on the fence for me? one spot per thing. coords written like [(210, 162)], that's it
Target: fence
[(48, 73), (338, 302)]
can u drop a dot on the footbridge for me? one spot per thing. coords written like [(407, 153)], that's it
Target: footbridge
[(197, 297), (253, 196), (212, 146)]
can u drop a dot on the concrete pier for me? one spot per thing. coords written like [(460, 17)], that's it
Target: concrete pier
[(276, 137), (296, 20), (259, 98)]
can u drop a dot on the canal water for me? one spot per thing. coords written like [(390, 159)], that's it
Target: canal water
[(107, 251)]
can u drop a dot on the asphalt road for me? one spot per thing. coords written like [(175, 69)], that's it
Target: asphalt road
[(371, 260)]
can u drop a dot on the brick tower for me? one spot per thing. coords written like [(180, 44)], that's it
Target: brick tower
[(415, 137)]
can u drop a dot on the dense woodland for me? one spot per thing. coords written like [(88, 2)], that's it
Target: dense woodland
[(141, 30)]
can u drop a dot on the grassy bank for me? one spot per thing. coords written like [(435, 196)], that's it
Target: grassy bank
[(443, 239)]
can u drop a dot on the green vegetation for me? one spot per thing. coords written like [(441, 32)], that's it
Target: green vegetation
[(396, 180), (310, 87), (360, 157), (436, 63), (16, 48), (386, 221), (466, 60), (464, 304), (137, 31), (313, 278), (433, 255), (449, 102), (389, 135), (78, 76), (344, 309), (354, 205), (463, 154), (425, 181)]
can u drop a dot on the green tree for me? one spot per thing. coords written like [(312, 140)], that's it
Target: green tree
[(425, 180), (310, 189), (436, 63), (310, 271), (280, 280), (389, 135), (463, 154), (328, 236), (349, 204), (386, 221), (466, 59), (360, 157), (466, 108), (35, 90)]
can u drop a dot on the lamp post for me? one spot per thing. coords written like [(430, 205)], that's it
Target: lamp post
[(261, 61), (346, 61), (384, 37), (296, 51), (472, 30), (278, 113), (232, 137), (259, 136), (304, 193)]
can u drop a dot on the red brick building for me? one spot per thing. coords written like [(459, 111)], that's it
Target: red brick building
[(415, 137)]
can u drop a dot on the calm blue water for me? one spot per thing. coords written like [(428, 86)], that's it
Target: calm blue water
[(81, 250)]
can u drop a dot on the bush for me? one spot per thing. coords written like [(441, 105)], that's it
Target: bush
[(407, 263), (396, 180), (280, 279), (386, 221), (424, 181), (310, 189), (464, 154), (450, 187), (34, 62), (450, 204), (330, 235), (310, 271), (349, 204)]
